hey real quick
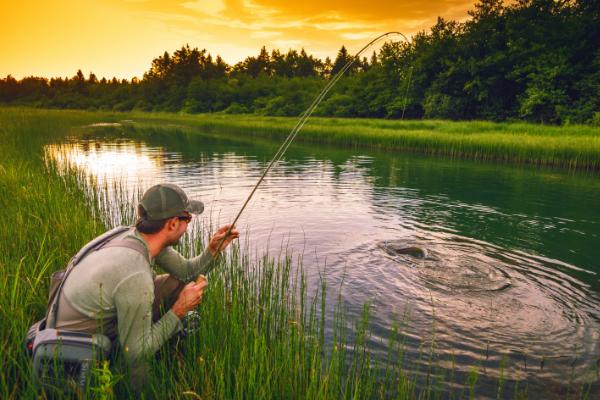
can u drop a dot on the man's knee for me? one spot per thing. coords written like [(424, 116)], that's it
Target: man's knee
[(166, 292)]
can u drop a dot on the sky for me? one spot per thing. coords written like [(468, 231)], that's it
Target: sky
[(121, 37)]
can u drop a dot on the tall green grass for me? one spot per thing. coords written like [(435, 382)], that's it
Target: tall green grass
[(262, 335), (574, 147), (571, 147), (45, 218)]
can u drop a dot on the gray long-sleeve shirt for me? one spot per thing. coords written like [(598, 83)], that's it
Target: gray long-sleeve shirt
[(114, 288)]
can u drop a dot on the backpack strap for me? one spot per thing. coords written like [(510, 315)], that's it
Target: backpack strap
[(102, 241), (98, 242), (130, 244)]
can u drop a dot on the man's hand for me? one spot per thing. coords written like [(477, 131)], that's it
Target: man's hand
[(189, 298), (215, 241)]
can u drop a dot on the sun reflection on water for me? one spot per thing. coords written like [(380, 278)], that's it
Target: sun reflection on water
[(108, 162)]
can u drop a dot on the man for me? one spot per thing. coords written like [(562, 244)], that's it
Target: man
[(114, 290)]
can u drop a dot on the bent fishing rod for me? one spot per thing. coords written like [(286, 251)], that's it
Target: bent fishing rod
[(301, 121)]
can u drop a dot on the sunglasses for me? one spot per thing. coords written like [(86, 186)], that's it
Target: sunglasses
[(187, 218)]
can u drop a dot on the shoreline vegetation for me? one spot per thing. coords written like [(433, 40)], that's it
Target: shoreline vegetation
[(262, 336), (574, 147)]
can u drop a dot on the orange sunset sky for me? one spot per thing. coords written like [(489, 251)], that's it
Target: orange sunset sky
[(121, 37)]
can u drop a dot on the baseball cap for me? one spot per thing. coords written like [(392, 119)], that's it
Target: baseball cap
[(166, 200)]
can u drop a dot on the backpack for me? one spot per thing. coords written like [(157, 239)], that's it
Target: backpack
[(70, 354)]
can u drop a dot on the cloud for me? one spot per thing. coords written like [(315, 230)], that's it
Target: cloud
[(354, 10), (341, 25), (259, 10), (210, 7), (264, 34), (350, 19), (359, 35), (286, 44)]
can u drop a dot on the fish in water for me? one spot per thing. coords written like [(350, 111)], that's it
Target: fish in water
[(398, 247)]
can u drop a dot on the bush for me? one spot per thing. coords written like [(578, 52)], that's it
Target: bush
[(442, 106), (123, 106), (236, 108), (142, 105), (338, 105)]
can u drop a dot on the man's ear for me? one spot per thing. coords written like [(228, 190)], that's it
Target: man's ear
[(172, 224)]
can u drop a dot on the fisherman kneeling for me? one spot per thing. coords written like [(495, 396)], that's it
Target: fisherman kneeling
[(113, 290)]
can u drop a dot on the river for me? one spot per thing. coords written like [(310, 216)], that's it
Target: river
[(510, 281)]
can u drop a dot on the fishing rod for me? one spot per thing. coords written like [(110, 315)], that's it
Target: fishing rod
[(301, 121)]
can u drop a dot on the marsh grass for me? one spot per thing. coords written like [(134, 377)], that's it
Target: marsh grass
[(262, 334), (45, 218), (571, 147)]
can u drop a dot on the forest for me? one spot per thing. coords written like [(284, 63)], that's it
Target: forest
[(530, 60)]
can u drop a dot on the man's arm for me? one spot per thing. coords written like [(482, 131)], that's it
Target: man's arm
[(187, 270), (184, 269), (138, 335)]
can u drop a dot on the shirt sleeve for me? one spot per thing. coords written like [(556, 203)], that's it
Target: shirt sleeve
[(182, 268), (138, 335)]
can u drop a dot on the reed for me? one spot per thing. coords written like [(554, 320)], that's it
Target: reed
[(571, 147), (45, 218), (575, 147)]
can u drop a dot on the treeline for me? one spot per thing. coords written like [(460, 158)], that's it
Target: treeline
[(536, 60)]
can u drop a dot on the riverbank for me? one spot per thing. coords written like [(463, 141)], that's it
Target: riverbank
[(574, 147), (569, 147)]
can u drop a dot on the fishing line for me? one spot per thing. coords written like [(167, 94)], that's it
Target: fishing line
[(406, 92), (301, 121)]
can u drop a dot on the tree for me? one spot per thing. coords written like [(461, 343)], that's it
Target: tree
[(279, 64), (307, 65), (545, 97), (341, 59), (9, 89), (255, 66), (160, 67), (79, 82), (327, 68), (92, 79)]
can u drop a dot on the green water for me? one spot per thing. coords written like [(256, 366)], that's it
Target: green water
[(512, 267)]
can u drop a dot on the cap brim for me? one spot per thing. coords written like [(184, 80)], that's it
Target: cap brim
[(195, 207)]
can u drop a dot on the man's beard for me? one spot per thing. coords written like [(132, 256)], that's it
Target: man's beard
[(175, 242)]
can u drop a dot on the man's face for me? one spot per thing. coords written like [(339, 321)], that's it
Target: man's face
[(177, 228)]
